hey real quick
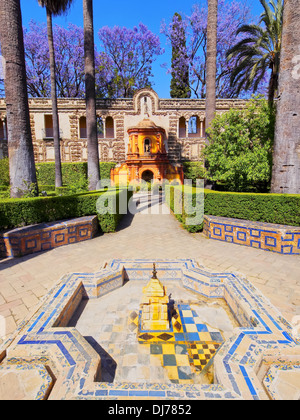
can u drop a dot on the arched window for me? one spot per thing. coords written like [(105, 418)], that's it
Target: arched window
[(194, 126), (82, 128), (110, 131), (182, 127), (3, 130), (147, 146), (48, 134)]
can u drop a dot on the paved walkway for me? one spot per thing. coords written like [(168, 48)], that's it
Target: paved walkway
[(24, 281)]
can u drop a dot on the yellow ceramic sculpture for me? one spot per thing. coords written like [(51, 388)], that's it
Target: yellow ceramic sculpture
[(155, 306)]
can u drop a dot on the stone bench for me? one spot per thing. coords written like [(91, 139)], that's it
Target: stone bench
[(46, 236), (271, 237)]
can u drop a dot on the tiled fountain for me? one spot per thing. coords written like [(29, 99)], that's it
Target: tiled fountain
[(134, 331)]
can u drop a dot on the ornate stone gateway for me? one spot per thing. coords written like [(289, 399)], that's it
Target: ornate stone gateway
[(147, 158)]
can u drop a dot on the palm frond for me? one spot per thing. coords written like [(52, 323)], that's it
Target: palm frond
[(56, 7), (253, 55)]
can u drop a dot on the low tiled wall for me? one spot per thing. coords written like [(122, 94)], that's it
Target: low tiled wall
[(46, 236), (277, 238)]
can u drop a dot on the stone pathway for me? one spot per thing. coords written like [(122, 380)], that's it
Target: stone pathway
[(152, 233)]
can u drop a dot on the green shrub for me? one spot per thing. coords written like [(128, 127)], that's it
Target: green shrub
[(29, 211), (270, 208), (72, 172), (187, 206), (47, 188), (110, 220), (63, 191), (239, 153), (4, 172), (105, 168), (194, 170)]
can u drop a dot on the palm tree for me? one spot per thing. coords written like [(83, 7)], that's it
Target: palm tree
[(258, 51), (20, 148), (54, 8), (91, 116), (211, 60), (286, 155)]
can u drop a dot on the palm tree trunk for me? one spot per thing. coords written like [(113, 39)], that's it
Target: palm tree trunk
[(20, 148), (286, 155), (211, 60), (271, 88), (211, 70), (55, 120), (91, 116)]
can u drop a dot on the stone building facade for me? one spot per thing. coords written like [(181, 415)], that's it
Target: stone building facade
[(182, 119)]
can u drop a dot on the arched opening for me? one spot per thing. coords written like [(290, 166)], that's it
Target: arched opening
[(147, 146), (48, 133), (147, 176), (194, 126), (3, 130), (82, 128), (110, 132), (182, 127)]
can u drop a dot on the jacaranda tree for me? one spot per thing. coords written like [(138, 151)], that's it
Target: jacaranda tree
[(69, 58), (231, 15), (132, 52)]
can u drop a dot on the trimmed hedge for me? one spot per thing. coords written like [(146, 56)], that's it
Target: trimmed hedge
[(71, 172), (110, 219), (188, 208), (30, 211), (281, 209), (4, 172)]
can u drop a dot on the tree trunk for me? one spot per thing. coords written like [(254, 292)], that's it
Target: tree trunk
[(20, 148), (55, 120), (286, 155), (211, 60), (91, 116)]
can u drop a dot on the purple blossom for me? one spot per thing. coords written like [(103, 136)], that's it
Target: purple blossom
[(230, 17), (132, 52)]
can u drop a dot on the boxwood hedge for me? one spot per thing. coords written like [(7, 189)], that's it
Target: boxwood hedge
[(29, 211), (281, 209)]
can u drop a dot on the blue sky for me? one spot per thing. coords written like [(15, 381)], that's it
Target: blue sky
[(127, 13)]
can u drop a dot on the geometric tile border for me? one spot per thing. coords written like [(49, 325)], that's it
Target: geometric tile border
[(46, 236), (264, 339), (270, 237)]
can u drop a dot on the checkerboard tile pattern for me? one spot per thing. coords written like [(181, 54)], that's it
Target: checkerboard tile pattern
[(175, 360), (201, 354), (187, 349)]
